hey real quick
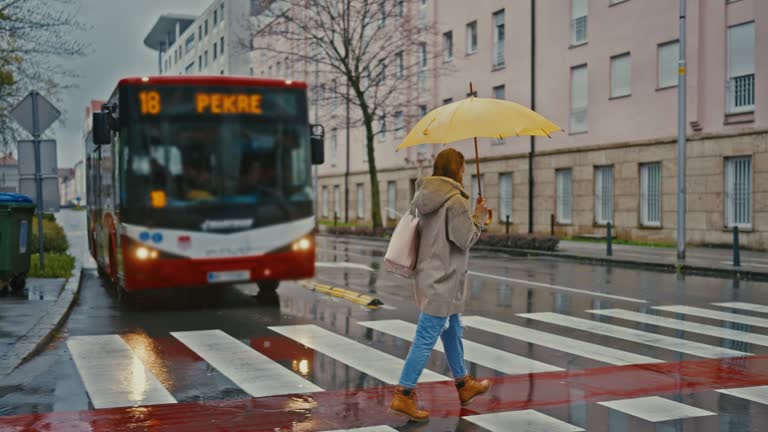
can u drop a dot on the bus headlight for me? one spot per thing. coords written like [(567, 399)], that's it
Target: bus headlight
[(303, 244), (144, 253)]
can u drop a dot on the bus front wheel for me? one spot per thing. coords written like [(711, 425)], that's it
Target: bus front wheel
[(268, 287)]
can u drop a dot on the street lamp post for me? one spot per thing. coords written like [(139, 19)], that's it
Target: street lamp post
[(346, 171), (681, 132)]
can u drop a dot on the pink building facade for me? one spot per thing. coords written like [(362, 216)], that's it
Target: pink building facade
[(606, 72)]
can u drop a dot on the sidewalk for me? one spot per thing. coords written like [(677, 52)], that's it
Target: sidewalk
[(28, 320), (700, 261), (754, 265)]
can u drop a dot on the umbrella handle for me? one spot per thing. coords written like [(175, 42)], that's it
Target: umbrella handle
[(490, 217)]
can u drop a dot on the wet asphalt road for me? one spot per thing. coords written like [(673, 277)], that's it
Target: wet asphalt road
[(501, 288)]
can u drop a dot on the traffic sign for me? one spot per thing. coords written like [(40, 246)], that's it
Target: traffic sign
[(23, 113), (48, 164)]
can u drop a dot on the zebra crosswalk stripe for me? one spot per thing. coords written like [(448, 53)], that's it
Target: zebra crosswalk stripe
[(368, 360), (525, 420), (250, 370), (474, 352), (745, 306), (757, 394), (113, 375), (714, 314), (584, 349), (692, 327), (656, 409), (666, 342)]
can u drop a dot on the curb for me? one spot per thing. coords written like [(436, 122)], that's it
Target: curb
[(666, 267), (42, 332)]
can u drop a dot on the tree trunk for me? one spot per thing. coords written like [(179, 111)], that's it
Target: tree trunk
[(375, 194)]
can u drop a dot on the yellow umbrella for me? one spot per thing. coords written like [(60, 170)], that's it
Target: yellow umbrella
[(477, 117)]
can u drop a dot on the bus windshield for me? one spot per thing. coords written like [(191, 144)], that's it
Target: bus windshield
[(204, 161)]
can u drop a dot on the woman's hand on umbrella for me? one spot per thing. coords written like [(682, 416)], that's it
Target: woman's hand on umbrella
[(481, 211)]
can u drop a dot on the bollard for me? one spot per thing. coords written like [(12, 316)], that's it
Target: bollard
[(507, 225), (335, 222), (609, 244), (552, 224), (736, 252)]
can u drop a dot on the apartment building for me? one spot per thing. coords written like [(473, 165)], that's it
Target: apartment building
[(213, 43), (606, 71)]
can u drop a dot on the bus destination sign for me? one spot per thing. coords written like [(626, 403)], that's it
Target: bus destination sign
[(150, 103)]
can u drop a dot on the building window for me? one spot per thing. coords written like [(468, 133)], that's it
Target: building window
[(400, 8), (382, 14), (621, 75), (279, 69), (221, 45), (206, 27), (498, 38), (251, 71), (422, 67), (334, 146), (579, 100), (446, 101), (669, 57), (360, 201), (190, 68), (474, 194), (738, 192), (741, 68), (399, 125), (422, 13), (215, 50), (448, 46), (421, 149), (383, 128), (215, 17), (578, 22), (205, 58), (472, 37), (324, 201), (334, 94), (336, 201), (505, 197), (199, 32), (650, 194), (364, 145), (382, 74), (199, 63), (399, 64), (189, 43), (498, 92), (603, 195), (564, 195), (391, 200)]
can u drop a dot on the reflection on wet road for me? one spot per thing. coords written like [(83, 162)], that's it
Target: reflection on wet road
[(569, 347)]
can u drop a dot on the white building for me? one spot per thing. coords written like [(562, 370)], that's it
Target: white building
[(9, 174), (209, 44)]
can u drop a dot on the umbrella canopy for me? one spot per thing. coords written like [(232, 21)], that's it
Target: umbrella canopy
[(477, 117)]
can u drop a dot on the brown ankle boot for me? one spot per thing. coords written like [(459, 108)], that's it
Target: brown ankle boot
[(404, 402), (470, 388)]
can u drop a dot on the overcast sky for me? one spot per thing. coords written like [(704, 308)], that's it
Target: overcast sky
[(118, 28)]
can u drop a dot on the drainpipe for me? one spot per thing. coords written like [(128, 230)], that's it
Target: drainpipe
[(533, 107)]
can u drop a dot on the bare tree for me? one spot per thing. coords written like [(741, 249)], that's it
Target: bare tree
[(374, 54), (34, 33)]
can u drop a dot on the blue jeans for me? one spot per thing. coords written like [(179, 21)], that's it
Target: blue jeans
[(428, 330)]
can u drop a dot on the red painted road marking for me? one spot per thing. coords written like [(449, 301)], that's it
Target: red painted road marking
[(367, 407)]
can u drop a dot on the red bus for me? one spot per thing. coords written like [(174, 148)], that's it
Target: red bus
[(196, 180)]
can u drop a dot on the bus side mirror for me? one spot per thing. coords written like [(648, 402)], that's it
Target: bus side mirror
[(317, 143), (101, 131)]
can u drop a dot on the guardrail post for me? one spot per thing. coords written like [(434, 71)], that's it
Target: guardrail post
[(335, 221), (507, 225), (609, 244), (736, 252)]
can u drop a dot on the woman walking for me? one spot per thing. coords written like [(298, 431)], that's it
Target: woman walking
[(447, 229)]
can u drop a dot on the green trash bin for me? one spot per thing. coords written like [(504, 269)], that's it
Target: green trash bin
[(16, 212)]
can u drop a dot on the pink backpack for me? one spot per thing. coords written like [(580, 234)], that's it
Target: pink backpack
[(403, 250)]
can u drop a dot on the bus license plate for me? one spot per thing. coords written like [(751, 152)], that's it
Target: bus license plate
[(229, 276)]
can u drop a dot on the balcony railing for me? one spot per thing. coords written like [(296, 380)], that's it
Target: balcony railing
[(740, 92), (579, 30)]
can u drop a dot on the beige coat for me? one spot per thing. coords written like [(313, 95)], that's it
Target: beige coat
[(447, 229)]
